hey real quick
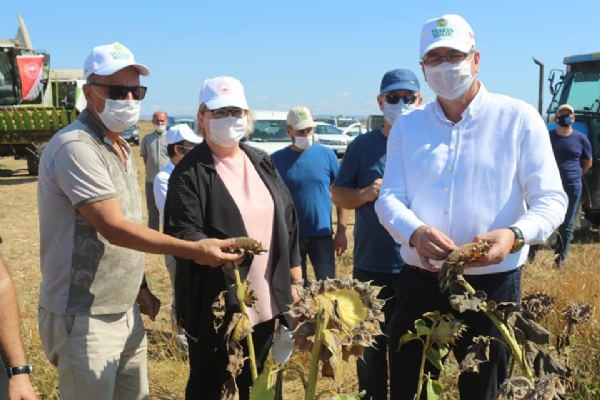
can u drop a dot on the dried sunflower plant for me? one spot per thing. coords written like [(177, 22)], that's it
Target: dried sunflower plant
[(520, 329), (239, 327), (333, 320)]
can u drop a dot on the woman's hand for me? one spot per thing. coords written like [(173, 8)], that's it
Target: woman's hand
[(149, 304)]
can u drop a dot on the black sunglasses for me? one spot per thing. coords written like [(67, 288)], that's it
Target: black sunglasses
[(120, 92), (394, 98)]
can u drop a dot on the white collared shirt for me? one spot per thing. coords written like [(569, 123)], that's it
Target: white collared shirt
[(471, 177), (161, 185)]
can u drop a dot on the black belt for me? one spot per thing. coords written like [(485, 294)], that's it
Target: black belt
[(426, 272)]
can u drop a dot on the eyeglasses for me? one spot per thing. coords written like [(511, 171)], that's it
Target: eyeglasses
[(186, 148), (224, 112), (452, 58), (120, 92), (394, 98)]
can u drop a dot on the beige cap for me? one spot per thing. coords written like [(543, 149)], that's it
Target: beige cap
[(566, 107), (300, 118)]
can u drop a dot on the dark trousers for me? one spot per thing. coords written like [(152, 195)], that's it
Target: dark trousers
[(565, 230), (153, 214), (420, 293), (373, 371), (3, 381), (321, 254), (208, 365)]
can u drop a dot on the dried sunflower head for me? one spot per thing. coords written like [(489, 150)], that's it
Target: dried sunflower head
[(245, 245), (578, 313), (446, 328), (354, 311), (537, 305), (454, 265)]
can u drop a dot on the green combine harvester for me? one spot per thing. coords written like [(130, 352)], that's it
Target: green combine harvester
[(35, 102)]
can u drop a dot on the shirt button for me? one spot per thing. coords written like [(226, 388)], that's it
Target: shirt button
[(447, 190), (452, 148), (450, 168), (445, 212)]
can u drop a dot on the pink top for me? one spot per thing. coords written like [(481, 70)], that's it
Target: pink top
[(255, 203)]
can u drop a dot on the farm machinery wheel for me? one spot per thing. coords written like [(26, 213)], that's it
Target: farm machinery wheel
[(34, 153)]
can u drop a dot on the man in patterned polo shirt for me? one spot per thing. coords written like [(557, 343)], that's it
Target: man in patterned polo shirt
[(92, 242)]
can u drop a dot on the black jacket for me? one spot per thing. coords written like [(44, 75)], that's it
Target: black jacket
[(199, 206)]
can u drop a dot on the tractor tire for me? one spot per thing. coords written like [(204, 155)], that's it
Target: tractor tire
[(34, 153)]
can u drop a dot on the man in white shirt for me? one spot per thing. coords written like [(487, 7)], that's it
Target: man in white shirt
[(462, 169), (180, 140)]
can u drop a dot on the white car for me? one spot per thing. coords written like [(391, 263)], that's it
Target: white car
[(332, 137), (269, 132)]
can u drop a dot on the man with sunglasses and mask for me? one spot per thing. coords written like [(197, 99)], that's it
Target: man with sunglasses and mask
[(463, 169), (376, 256), (153, 150), (180, 140), (92, 243)]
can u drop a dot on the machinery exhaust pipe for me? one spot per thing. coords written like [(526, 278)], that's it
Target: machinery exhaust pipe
[(541, 85)]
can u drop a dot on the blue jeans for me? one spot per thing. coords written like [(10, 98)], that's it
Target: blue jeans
[(321, 254), (565, 230), (419, 293), (153, 214), (373, 370)]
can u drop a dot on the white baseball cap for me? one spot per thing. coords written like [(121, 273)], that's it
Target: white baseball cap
[(223, 91), (447, 31), (180, 132), (110, 58), (300, 118)]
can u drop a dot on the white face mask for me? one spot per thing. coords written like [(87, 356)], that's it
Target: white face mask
[(160, 128), (303, 142), (227, 132), (119, 115), (391, 112), (450, 81)]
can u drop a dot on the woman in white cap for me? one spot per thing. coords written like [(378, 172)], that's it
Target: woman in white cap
[(224, 189)]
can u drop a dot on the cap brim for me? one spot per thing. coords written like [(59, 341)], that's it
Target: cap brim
[(452, 44), (111, 69), (226, 102), (401, 86), (303, 125)]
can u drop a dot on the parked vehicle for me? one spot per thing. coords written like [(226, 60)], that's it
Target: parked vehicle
[(132, 135), (354, 130), (269, 133), (579, 87), (340, 122), (374, 121), (332, 137), (191, 122)]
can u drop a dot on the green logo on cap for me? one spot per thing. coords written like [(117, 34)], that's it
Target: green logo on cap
[(117, 47), (302, 116), (441, 32), (441, 23)]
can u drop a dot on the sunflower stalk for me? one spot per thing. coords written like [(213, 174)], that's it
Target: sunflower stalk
[(322, 320), (240, 294), (426, 345), (510, 340)]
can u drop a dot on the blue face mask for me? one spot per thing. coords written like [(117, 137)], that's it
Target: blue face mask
[(564, 120)]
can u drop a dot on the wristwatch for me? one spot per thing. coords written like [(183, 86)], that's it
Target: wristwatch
[(519, 239), (298, 283), (25, 369)]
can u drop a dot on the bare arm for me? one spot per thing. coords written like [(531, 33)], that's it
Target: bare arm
[(342, 219), (353, 198), (106, 217), (11, 344), (586, 165)]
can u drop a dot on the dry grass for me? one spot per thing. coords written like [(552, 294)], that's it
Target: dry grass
[(578, 281)]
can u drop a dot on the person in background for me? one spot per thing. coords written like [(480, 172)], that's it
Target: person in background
[(308, 170), (153, 150), (180, 140), (376, 255), (222, 189), (14, 369), (573, 153), (448, 182)]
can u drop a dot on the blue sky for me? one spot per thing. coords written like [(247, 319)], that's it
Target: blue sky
[(328, 55)]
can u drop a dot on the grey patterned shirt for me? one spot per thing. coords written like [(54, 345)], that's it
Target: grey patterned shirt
[(82, 273), (154, 148)]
